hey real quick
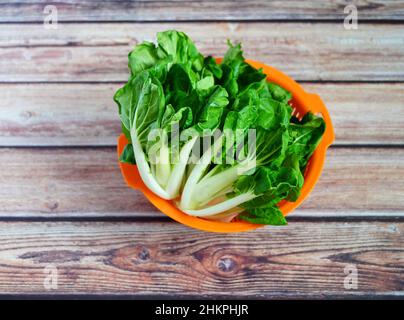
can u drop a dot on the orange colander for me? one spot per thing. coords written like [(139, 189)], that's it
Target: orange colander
[(302, 102)]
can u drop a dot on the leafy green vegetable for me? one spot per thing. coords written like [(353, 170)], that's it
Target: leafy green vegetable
[(127, 155), (176, 100)]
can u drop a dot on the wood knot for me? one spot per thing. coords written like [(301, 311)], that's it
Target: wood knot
[(144, 254), (27, 115), (226, 264), (52, 206), (134, 257)]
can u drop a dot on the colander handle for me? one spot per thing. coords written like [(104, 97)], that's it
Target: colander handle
[(317, 106)]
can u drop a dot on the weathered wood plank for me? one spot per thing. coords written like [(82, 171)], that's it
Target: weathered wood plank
[(87, 183), (364, 113), (122, 258), (84, 114), (58, 114), (98, 52), (72, 182), (74, 10)]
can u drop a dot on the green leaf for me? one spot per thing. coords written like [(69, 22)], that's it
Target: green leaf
[(305, 137), (142, 96), (181, 48), (270, 215), (127, 155), (230, 122), (211, 114), (211, 65), (249, 75), (167, 116), (123, 97), (205, 85), (177, 80), (237, 74), (182, 118), (278, 93), (232, 65), (148, 105), (142, 57), (234, 56)]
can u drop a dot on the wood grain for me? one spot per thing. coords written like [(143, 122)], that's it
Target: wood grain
[(87, 10), (72, 182), (98, 52), (84, 114), (163, 259), (63, 202), (58, 114), (364, 113), (81, 182)]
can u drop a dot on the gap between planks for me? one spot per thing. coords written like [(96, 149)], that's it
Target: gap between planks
[(296, 216)]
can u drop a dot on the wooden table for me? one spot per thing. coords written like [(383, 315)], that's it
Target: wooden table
[(63, 203)]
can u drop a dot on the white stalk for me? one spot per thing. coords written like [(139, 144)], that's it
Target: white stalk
[(226, 216), (221, 207), (163, 166), (144, 168), (197, 172), (208, 188), (178, 173)]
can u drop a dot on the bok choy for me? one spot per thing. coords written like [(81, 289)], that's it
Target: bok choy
[(216, 138)]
